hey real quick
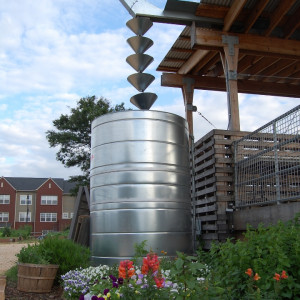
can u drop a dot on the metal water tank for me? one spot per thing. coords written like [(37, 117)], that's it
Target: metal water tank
[(140, 185)]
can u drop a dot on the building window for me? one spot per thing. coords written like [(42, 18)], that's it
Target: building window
[(49, 185), (23, 217), (49, 200), (25, 199), (65, 215), (48, 217), (4, 199), (1, 184), (4, 217)]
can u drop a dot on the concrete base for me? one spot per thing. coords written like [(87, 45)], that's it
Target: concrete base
[(2, 287), (268, 215)]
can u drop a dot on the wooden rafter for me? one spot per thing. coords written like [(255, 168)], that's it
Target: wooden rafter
[(284, 73), (292, 24), (279, 13), (233, 13), (208, 60), (255, 13), (212, 11), (247, 61), (278, 66), (192, 61), (261, 65)]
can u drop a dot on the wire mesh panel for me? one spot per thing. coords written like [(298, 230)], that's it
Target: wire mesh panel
[(267, 162)]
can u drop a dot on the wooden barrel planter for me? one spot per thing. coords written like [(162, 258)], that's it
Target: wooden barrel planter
[(34, 278)]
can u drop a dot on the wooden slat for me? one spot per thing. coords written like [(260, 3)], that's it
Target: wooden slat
[(206, 209), (206, 201)]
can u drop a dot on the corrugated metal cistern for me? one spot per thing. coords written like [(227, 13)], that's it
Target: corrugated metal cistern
[(140, 184)]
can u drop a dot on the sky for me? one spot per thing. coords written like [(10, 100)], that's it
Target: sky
[(54, 52)]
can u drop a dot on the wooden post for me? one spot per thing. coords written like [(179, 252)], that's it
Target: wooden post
[(188, 96), (230, 62)]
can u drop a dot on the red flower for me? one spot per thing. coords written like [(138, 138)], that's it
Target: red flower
[(256, 277), (249, 272), (159, 281), (284, 275), (126, 269), (150, 263), (276, 277), (145, 266)]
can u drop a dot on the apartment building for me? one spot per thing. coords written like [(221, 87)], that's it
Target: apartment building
[(44, 203)]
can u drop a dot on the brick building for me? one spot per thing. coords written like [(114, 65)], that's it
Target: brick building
[(44, 203)]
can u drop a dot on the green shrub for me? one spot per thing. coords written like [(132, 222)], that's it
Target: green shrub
[(6, 232), (23, 232), (267, 250), (65, 253), (32, 254), (54, 250)]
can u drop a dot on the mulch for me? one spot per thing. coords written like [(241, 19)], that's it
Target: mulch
[(11, 293)]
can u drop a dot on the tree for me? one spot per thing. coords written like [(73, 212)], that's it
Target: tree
[(73, 134)]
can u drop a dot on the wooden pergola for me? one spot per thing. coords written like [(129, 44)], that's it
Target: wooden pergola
[(250, 46)]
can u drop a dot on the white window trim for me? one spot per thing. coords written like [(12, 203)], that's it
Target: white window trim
[(29, 200), (4, 215), (49, 200), (65, 215), (23, 216), (48, 217), (4, 199)]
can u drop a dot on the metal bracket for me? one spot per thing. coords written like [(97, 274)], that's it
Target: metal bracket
[(189, 82), (232, 75), (191, 107), (231, 41)]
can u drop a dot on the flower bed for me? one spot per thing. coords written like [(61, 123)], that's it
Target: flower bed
[(263, 266)]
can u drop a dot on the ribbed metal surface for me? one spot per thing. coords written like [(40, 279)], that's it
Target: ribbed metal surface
[(140, 184)]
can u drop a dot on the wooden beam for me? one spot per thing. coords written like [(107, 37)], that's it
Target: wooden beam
[(166, 69), (192, 61), (285, 73), (255, 13), (211, 11), (204, 62), (277, 67), (247, 61), (244, 86), (210, 64), (292, 24), (213, 38), (230, 63), (188, 95), (261, 65), (233, 13), (269, 54), (279, 13)]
